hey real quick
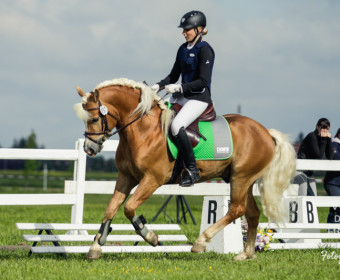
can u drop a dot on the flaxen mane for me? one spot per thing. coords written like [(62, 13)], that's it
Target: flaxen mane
[(144, 107)]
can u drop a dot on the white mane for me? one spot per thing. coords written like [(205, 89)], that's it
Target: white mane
[(120, 82), (147, 98)]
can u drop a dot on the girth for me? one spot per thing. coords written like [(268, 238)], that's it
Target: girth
[(193, 130)]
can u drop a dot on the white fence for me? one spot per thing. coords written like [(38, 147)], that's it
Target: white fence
[(76, 199), (75, 190)]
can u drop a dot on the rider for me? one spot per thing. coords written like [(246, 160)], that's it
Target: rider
[(194, 62)]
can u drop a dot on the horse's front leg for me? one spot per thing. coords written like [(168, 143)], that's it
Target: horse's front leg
[(122, 190), (145, 189)]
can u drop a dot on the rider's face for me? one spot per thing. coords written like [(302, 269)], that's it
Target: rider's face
[(189, 34)]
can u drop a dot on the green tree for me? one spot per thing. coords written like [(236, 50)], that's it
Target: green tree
[(32, 165), (20, 144)]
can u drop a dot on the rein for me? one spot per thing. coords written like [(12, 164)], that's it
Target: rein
[(103, 112)]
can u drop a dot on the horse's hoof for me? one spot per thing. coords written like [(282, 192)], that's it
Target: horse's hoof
[(152, 238), (198, 247), (243, 257), (94, 254)]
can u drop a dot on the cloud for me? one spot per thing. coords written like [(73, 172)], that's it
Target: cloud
[(279, 60)]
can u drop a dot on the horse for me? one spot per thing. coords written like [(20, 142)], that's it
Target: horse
[(141, 119)]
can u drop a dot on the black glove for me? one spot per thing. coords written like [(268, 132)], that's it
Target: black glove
[(177, 94)]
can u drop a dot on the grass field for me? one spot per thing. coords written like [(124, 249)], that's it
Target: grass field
[(15, 263)]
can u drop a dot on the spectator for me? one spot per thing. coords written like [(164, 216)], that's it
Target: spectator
[(332, 182), (316, 145)]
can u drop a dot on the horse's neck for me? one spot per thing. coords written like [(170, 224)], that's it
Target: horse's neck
[(146, 127), (124, 102)]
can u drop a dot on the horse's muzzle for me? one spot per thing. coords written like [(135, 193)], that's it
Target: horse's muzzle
[(92, 150), (89, 151)]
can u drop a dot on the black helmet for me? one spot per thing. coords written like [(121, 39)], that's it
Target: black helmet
[(193, 19)]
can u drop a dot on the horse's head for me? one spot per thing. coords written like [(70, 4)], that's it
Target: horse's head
[(101, 117), (94, 114)]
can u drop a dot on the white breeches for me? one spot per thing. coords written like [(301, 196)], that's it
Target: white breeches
[(191, 110)]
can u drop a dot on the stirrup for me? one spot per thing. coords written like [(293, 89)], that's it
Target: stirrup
[(189, 177)]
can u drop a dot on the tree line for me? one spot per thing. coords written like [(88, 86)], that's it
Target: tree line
[(97, 163)]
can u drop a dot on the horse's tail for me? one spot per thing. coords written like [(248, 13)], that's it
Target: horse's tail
[(277, 177)]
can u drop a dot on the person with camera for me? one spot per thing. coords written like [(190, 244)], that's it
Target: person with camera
[(316, 145)]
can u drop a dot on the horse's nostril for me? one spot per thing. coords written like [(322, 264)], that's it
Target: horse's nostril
[(89, 151)]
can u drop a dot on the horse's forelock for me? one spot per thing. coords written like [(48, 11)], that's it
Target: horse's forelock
[(80, 112), (84, 99)]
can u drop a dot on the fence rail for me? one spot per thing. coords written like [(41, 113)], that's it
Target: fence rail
[(75, 189)]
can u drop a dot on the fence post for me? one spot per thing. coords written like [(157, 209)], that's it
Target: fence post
[(229, 239), (303, 210), (79, 178)]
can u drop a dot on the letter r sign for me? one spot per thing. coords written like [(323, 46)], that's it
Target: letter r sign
[(212, 207)]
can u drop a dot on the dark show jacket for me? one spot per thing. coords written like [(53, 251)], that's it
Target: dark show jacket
[(195, 66), (315, 147)]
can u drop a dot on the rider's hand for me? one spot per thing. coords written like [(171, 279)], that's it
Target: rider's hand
[(177, 94), (173, 88), (155, 87)]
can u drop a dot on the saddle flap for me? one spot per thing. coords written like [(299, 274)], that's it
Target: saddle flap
[(209, 114), (193, 129)]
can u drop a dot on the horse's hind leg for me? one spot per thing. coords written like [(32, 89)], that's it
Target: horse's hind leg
[(122, 190), (252, 216)]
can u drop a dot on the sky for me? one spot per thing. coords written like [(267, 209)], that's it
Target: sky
[(278, 60)]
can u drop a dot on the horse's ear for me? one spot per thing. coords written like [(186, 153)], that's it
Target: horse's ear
[(80, 91), (96, 95)]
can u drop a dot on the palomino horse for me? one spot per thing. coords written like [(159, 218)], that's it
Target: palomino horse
[(142, 158)]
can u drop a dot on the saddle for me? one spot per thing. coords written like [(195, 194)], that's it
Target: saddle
[(193, 130)]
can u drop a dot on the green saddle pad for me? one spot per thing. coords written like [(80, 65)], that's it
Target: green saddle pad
[(219, 143)]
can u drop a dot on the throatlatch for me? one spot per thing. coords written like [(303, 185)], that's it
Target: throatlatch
[(104, 231)]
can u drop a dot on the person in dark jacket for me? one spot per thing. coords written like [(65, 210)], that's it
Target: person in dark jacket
[(332, 182), (194, 63), (316, 145)]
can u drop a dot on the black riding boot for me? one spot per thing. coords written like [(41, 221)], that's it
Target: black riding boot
[(191, 175)]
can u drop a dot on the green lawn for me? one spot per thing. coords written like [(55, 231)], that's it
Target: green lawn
[(15, 263)]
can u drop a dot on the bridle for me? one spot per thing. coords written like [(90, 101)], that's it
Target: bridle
[(103, 112)]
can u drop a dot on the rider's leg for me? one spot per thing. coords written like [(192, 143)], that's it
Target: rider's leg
[(191, 110), (192, 173)]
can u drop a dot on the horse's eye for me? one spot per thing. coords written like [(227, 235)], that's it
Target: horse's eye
[(95, 120)]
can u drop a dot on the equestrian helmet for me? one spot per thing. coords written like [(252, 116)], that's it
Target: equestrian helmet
[(193, 19)]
